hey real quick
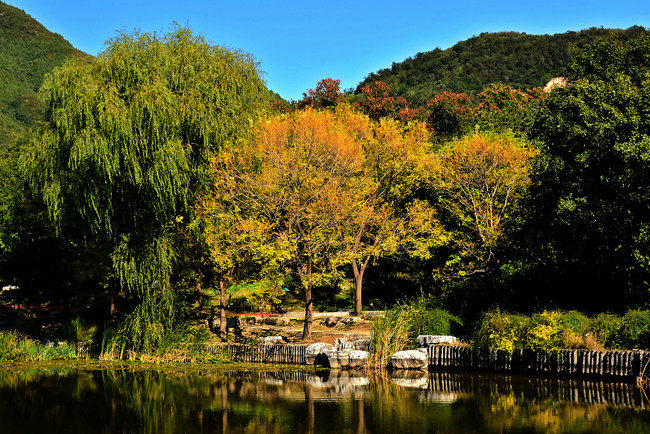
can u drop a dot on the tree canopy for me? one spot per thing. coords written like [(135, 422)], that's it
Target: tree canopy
[(125, 148)]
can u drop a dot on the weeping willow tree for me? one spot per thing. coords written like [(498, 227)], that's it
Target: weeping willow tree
[(124, 151)]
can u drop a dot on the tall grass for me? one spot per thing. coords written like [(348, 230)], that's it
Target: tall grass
[(17, 348), (389, 334), (400, 326), (181, 345)]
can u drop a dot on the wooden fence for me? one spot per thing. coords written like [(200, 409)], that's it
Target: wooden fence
[(278, 354), (623, 394), (609, 364)]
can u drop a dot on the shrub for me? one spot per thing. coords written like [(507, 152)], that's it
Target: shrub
[(575, 321), (545, 332), (635, 329), (501, 330), (605, 328), (426, 319)]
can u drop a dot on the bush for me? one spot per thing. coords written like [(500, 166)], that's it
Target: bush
[(575, 321), (605, 329), (635, 329), (425, 318), (501, 330)]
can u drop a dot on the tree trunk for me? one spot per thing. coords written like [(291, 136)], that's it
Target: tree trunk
[(309, 313), (111, 308), (358, 278), (222, 309), (197, 294)]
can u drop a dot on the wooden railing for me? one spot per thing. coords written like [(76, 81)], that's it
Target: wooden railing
[(609, 364)]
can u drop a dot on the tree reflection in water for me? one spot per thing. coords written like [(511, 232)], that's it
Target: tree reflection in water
[(166, 401)]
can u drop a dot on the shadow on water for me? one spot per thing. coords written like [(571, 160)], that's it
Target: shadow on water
[(165, 401)]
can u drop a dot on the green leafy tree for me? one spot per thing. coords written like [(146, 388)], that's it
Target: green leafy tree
[(589, 207), (125, 149)]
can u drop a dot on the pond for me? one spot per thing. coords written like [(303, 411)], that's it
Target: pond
[(75, 400)]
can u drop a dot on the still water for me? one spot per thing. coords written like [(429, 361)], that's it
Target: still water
[(73, 400)]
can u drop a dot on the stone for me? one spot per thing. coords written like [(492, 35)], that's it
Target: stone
[(409, 359), (271, 340), (331, 321), (314, 350), (336, 358), (362, 344), (344, 358), (358, 358), (344, 344), (426, 340), (370, 315)]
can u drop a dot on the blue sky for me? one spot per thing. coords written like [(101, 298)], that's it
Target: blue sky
[(300, 42)]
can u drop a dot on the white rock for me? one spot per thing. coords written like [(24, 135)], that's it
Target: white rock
[(426, 340), (409, 359)]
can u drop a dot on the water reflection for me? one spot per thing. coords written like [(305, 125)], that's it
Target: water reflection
[(72, 400)]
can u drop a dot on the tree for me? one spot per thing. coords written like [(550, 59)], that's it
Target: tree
[(451, 114), (378, 216), (479, 179), (377, 102), (326, 95), (588, 211), (125, 149), (296, 173)]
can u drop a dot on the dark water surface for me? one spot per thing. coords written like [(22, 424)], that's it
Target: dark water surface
[(71, 400)]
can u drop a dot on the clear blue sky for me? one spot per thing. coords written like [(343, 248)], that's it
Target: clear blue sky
[(299, 42)]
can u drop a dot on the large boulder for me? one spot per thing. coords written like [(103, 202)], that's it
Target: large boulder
[(409, 359), (271, 340), (314, 350), (426, 340), (332, 321), (344, 344), (343, 358), (358, 358)]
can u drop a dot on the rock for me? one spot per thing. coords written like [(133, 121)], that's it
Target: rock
[(271, 340), (344, 358), (362, 344), (344, 344), (335, 358), (331, 321), (349, 320), (370, 315), (313, 351), (409, 359), (358, 358), (426, 340), (276, 321)]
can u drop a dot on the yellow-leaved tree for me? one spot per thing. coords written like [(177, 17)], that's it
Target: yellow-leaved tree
[(324, 186), (479, 178)]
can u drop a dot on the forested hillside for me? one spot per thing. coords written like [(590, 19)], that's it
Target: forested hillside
[(516, 59), (27, 51)]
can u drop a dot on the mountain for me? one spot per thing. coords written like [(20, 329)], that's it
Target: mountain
[(517, 59), (27, 52)]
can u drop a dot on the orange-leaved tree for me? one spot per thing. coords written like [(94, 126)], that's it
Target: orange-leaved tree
[(479, 179), (382, 216), (328, 188), (289, 180)]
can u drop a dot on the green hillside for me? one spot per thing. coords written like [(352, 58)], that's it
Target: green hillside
[(517, 59), (27, 52)]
